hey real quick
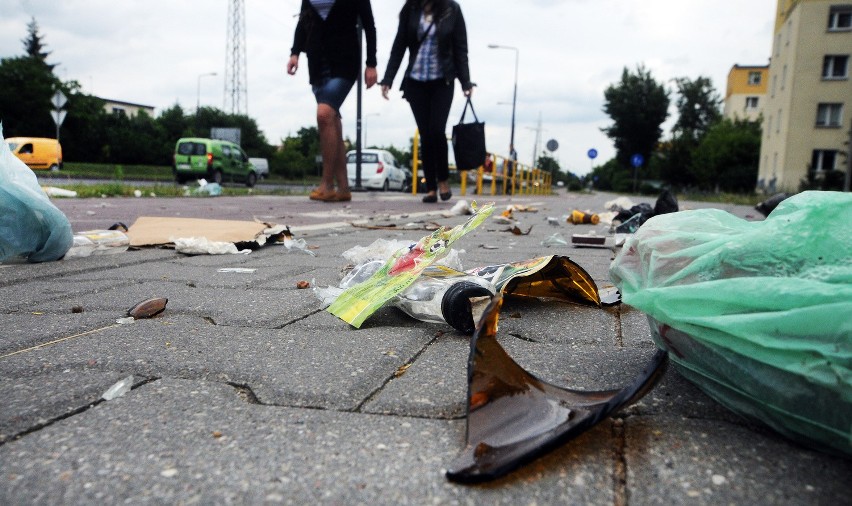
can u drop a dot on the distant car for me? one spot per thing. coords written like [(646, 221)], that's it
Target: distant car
[(38, 153), (213, 159), (379, 170), (261, 166)]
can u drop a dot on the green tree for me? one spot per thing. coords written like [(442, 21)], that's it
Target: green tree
[(638, 106), (727, 157), (26, 85), (697, 107), (33, 45)]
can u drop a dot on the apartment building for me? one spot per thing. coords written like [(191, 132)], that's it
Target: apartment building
[(808, 107), (745, 94)]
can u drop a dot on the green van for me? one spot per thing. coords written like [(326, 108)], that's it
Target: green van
[(212, 159)]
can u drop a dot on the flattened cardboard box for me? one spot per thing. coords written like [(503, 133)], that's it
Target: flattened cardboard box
[(153, 231)]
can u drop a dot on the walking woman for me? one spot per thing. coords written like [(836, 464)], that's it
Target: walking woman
[(434, 33), (327, 33)]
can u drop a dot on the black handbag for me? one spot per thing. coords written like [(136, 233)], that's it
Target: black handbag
[(469, 141)]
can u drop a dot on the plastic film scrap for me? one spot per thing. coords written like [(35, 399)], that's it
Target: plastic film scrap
[(514, 417)]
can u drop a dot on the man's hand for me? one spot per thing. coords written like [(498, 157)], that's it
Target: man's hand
[(293, 64), (370, 76)]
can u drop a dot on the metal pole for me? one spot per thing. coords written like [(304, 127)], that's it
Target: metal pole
[(358, 110), (514, 100)]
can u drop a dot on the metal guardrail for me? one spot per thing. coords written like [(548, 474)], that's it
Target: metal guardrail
[(509, 177)]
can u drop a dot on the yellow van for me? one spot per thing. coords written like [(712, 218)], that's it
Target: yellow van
[(37, 152)]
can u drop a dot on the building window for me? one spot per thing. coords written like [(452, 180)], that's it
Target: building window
[(778, 123), (829, 115), (840, 18), (751, 102), (823, 159), (754, 78), (118, 111), (835, 66)]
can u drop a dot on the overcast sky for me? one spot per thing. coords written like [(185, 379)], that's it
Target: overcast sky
[(152, 52)]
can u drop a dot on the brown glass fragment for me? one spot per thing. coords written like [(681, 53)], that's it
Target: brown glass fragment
[(514, 417), (148, 308)]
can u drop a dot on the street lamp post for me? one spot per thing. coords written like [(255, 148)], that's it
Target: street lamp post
[(515, 93), (198, 93), (365, 126)]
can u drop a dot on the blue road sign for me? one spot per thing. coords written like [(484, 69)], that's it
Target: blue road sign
[(593, 153), (637, 160)]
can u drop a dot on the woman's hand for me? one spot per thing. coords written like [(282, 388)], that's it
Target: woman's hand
[(370, 76), (293, 64), (385, 89), (468, 92)]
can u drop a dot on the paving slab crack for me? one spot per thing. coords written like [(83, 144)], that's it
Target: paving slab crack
[(619, 475), (82, 409), (394, 375)]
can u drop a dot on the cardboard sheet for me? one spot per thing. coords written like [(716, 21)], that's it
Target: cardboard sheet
[(152, 231)]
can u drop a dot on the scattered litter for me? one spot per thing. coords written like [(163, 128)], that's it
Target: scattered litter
[(237, 270), (632, 218), (148, 308), (767, 206), (516, 230), (204, 188), (98, 242), (554, 240), (592, 240), (51, 191), (552, 220), (514, 417), (357, 303), (118, 389), (77, 309), (301, 285), (578, 217), (126, 320), (137, 193), (461, 208), (204, 246), (618, 204), (504, 220), (489, 246), (752, 311)]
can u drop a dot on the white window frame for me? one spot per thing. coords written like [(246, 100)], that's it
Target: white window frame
[(830, 64), (829, 115), (820, 156), (840, 19), (754, 78)]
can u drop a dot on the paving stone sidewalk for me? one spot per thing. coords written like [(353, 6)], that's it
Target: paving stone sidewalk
[(246, 391)]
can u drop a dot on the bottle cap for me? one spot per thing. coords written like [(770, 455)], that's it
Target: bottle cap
[(455, 306)]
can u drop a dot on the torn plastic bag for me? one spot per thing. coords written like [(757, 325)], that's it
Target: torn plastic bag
[(755, 313), (31, 227)]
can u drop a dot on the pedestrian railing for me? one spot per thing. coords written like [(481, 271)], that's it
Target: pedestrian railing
[(498, 175)]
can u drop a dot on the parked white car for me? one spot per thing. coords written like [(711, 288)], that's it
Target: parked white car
[(379, 170), (261, 166)]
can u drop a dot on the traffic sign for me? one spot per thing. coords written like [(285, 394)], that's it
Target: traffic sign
[(58, 99), (58, 117), (637, 160), (593, 153), (552, 145)]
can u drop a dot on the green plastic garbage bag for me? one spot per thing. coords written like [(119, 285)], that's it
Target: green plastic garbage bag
[(757, 314)]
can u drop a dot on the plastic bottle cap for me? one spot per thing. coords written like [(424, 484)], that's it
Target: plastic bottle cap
[(455, 306)]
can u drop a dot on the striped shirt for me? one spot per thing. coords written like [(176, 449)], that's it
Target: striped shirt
[(323, 7), (426, 67)]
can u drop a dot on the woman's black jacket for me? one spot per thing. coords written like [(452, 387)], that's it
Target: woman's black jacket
[(452, 44), (334, 41)]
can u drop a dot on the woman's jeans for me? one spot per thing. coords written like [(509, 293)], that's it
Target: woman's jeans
[(430, 102)]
